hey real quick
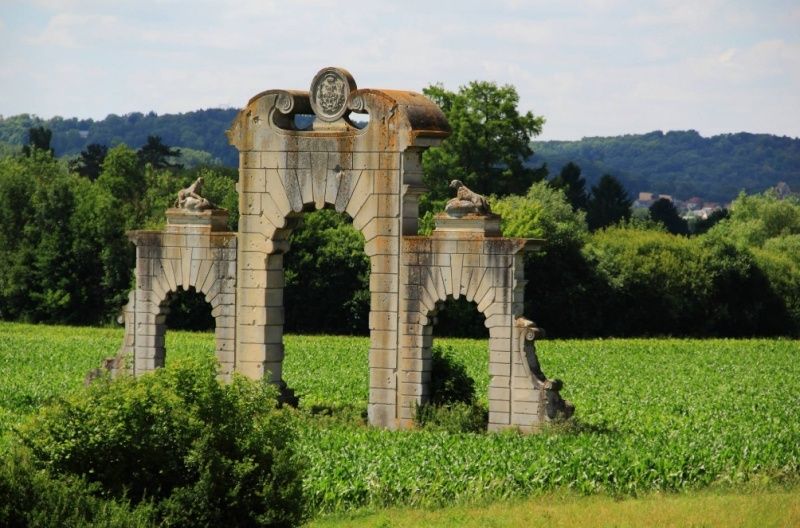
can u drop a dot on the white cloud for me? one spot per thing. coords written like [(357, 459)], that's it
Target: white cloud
[(75, 30)]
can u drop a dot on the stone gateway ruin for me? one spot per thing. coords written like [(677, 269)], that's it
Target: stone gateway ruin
[(373, 174)]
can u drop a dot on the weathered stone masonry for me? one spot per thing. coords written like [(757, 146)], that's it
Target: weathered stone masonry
[(374, 175), (194, 251)]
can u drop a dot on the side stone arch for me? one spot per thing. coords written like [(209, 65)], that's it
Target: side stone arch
[(186, 255), (452, 264)]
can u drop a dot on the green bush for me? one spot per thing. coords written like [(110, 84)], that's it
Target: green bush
[(204, 453), (30, 497), (452, 405)]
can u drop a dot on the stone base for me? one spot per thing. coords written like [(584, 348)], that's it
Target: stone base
[(212, 220), (486, 225)]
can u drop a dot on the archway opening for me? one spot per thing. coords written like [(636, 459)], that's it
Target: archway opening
[(455, 340), (326, 301), (186, 311), (326, 276)]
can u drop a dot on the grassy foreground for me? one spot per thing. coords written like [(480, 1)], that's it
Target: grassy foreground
[(652, 416), (759, 509)]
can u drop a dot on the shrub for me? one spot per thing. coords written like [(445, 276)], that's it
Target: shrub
[(204, 453), (31, 497), (452, 405)]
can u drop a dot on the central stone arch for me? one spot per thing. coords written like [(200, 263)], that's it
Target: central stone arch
[(373, 174)]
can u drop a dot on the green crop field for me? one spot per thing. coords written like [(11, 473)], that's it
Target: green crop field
[(651, 415)]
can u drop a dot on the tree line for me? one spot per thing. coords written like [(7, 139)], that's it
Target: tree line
[(64, 256)]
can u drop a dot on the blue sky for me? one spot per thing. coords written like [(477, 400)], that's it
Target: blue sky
[(591, 68)]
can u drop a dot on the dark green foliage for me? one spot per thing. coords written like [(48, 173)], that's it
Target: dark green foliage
[(489, 143), (664, 212), (157, 154), (573, 185), (608, 204), (38, 139), (90, 161), (701, 226), (327, 276), (201, 130), (459, 318), (30, 497), (682, 163), (452, 404), (63, 253), (189, 310), (201, 452)]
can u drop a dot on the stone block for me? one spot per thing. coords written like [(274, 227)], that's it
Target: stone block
[(359, 194), (527, 395), (383, 320), (273, 334), (381, 415), (251, 369), (251, 334), (418, 364), (383, 282), (499, 393), (526, 407), (292, 187), (274, 297), (366, 160), (499, 356), (526, 422), (416, 376), (251, 297), (273, 159), (367, 211), (252, 203), (389, 160), (499, 369), (455, 270), (298, 160), (382, 358), (382, 245), (414, 389), (501, 406), (253, 260), (383, 338), (382, 378), (383, 302), (277, 193), (385, 396)]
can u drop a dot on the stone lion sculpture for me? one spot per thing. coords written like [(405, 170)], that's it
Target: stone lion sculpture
[(466, 201), (190, 199)]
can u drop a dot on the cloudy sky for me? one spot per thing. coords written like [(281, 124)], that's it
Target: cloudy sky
[(592, 68)]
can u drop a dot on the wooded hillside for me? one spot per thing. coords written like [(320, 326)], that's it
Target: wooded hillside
[(679, 163)]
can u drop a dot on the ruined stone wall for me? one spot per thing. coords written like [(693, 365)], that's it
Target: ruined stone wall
[(487, 270), (183, 256)]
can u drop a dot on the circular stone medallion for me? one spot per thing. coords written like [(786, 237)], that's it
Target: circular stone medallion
[(329, 92)]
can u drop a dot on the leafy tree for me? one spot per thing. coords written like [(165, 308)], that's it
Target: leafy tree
[(701, 225), (327, 276), (157, 154), (757, 218), (90, 161), (489, 143), (124, 178), (664, 211), (608, 204), (38, 139), (574, 186), (563, 294)]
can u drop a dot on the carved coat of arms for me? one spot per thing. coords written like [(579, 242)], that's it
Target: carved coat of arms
[(331, 94)]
